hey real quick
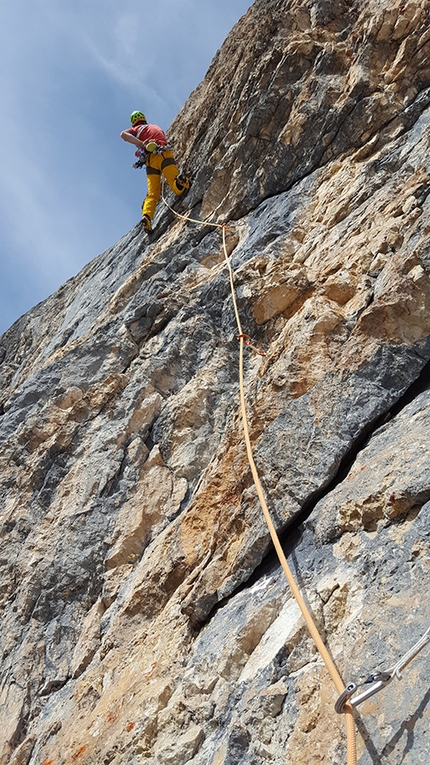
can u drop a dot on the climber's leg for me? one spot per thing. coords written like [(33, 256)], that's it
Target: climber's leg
[(169, 168), (153, 174)]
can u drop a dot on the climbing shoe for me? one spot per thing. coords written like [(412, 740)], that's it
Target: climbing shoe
[(146, 220), (182, 183)]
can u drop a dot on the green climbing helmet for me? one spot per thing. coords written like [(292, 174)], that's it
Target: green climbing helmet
[(137, 117)]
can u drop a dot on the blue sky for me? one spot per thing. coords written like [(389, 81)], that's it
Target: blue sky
[(70, 74)]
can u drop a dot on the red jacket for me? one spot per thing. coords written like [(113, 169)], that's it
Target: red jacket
[(146, 133)]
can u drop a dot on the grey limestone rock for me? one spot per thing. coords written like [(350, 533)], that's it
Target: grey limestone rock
[(145, 617)]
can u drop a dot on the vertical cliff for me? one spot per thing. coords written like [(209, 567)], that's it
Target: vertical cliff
[(145, 618)]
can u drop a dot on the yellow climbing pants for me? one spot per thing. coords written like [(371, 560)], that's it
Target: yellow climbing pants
[(155, 165)]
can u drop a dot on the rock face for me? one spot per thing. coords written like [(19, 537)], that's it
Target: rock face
[(145, 618)]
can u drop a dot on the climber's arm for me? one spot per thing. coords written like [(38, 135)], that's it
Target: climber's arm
[(126, 136)]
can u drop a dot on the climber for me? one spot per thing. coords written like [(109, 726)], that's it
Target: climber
[(156, 154)]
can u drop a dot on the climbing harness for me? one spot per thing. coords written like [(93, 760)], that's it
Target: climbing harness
[(141, 154), (380, 679)]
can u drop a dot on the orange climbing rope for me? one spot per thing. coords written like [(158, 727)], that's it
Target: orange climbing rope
[(328, 661), (312, 628)]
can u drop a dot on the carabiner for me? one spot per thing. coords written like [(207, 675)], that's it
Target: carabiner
[(379, 679)]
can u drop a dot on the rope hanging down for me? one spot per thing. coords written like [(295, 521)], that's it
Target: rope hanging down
[(312, 628), (345, 703), (337, 680)]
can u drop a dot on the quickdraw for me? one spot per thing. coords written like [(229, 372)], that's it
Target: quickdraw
[(246, 339), (380, 679), (141, 161)]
